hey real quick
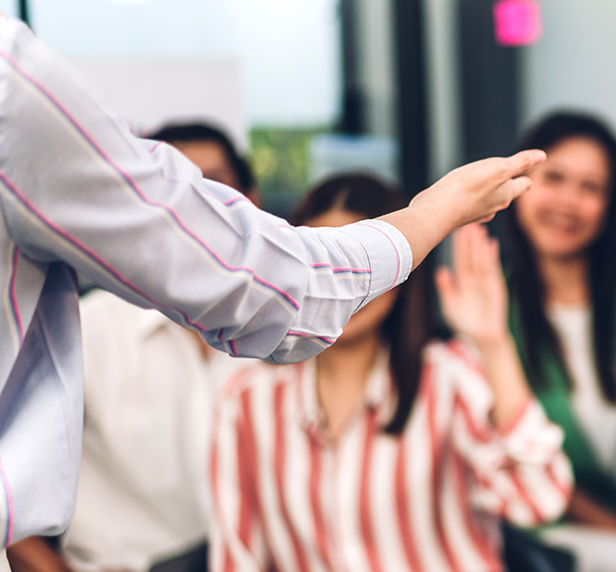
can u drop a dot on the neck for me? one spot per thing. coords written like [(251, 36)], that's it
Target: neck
[(342, 375), (205, 350), (565, 279), (348, 363)]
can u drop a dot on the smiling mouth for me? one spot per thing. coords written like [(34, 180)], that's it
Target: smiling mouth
[(561, 224)]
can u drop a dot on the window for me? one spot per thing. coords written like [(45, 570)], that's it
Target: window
[(287, 51)]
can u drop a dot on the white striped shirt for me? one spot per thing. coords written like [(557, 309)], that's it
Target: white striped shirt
[(289, 499), (78, 190)]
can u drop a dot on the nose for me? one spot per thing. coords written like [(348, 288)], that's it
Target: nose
[(571, 194)]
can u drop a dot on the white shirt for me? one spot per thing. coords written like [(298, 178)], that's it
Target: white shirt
[(596, 415), (149, 391), (78, 190)]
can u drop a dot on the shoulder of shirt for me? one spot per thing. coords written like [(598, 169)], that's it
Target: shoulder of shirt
[(258, 375), (13, 30), (455, 366)]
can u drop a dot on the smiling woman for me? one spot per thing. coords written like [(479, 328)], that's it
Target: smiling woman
[(567, 210), (563, 288)]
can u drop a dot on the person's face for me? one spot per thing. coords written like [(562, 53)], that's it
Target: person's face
[(565, 210), (211, 159), (368, 320)]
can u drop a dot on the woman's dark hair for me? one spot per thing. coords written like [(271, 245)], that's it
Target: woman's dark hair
[(410, 324), (527, 288)]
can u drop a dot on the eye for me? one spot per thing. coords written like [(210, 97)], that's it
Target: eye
[(593, 188), (553, 177)]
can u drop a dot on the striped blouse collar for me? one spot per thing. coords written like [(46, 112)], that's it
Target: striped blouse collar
[(379, 395)]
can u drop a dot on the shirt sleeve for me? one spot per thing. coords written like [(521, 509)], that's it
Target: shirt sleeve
[(137, 218), (237, 540), (519, 474)]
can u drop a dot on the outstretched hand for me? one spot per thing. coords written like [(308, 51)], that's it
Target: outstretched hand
[(479, 190), (473, 294), (472, 193)]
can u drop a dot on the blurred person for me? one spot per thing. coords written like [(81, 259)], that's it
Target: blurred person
[(388, 451), (78, 191), (142, 498), (149, 387), (563, 291), (214, 153)]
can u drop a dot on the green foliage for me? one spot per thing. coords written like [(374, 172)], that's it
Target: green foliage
[(281, 162)]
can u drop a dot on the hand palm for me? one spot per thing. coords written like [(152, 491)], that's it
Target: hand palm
[(473, 295)]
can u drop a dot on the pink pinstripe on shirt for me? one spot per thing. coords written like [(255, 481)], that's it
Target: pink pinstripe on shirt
[(131, 183)]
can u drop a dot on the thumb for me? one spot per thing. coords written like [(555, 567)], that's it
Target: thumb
[(443, 279)]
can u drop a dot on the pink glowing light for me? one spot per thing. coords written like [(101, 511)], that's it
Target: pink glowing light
[(517, 22)]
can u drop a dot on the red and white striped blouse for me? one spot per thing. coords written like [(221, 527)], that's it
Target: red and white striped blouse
[(289, 498)]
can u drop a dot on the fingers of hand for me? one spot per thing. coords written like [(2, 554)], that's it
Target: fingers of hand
[(511, 190), (523, 162), (481, 253), (445, 287), (475, 256), (461, 261), (501, 169), (496, 266)]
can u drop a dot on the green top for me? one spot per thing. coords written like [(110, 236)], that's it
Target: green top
[(555, 397)]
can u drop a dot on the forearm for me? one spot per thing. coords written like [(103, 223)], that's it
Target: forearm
[(507, 379), (518, 470), (34, 554), (424, 225), (584, 509)]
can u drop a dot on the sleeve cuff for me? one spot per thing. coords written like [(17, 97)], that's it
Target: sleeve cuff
[(388, 252), (507, 429), (533, 436)]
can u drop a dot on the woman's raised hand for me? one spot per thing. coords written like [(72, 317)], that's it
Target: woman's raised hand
[(473, 294), (474, 300)]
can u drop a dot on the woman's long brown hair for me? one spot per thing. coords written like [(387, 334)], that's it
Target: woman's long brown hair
[(410, 324), (526, 286)]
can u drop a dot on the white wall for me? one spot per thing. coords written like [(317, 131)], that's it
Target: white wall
[(574, 64), (289, 50), (151, 91), (8, 7)]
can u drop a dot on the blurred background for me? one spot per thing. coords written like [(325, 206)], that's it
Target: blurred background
[(407, 88)]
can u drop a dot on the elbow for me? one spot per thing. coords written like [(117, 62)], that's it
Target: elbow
[(554, 510), (546, 497)]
